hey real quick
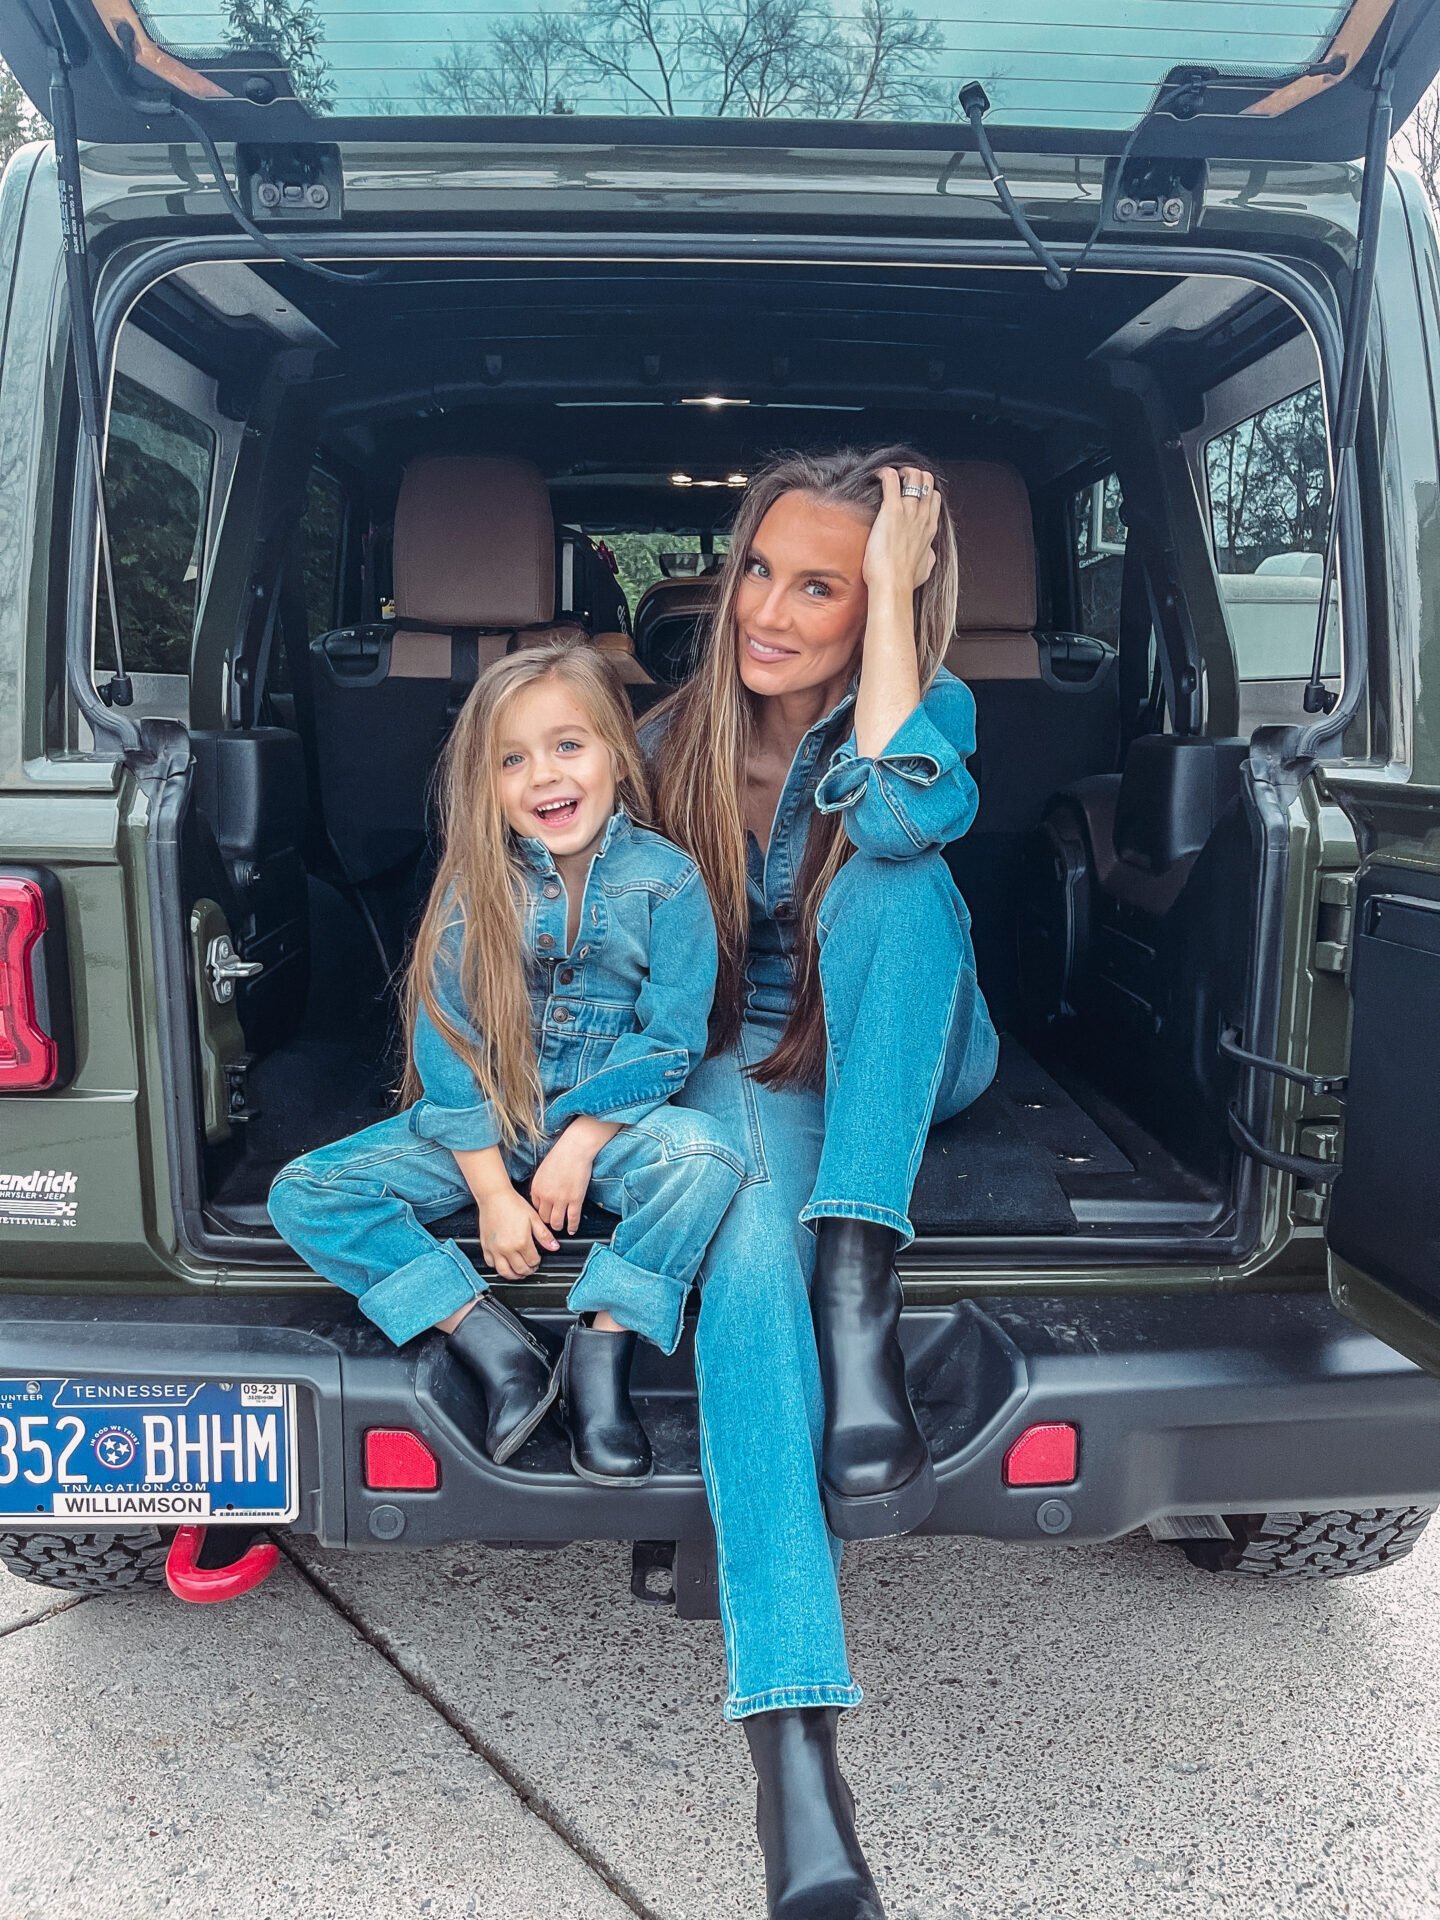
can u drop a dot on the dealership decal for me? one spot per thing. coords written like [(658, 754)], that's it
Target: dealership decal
[(37, 1199)]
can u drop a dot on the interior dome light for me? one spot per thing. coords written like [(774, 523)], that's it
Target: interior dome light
[(713, 400), (681, 480), (736, 480)]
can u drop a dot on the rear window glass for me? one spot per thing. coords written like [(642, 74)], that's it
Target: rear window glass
[(1269, 485), (1042, 65), (643, 558), (321, 528), (158, 464), (1099, 521)]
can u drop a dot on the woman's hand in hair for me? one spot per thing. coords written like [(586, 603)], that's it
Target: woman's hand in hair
[(900, 553), (562, 1178), (899, 557)]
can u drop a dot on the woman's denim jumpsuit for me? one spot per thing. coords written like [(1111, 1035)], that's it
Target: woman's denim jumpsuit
[(618, 1025), (909, 1040)]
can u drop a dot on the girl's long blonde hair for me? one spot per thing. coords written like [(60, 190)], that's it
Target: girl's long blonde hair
[(700, 785), (480, 879)]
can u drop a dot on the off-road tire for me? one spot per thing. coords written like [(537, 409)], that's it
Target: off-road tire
[(1311, 1546), (120, 1562)]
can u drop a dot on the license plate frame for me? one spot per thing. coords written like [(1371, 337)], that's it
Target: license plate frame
[(95, 1452)]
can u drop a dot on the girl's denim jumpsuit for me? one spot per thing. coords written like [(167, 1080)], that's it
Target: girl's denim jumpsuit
[(618, 1025), (909, 1040)]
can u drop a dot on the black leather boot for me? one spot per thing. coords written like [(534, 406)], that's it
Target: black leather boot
[(513, 1365), (805, 1817), (608, 1445), (876, 1473)]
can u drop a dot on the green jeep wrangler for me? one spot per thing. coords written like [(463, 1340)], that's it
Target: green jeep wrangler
[(300, 327)]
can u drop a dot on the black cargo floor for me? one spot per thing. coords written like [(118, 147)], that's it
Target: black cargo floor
[(1026, 1159)]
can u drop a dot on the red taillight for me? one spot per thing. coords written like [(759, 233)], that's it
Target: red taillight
[(1043, 1457), (29, 1057), (395, 1457)]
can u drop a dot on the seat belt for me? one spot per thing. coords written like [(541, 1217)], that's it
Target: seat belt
[(1136, 630)]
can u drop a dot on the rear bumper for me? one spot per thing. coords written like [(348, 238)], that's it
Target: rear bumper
[(1189, 1404)]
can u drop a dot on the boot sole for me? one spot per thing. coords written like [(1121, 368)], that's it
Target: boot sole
[(517, 1437), (608, 1479), (871, 1516)]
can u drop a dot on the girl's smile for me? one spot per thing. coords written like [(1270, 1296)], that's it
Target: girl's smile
[(557, 776)]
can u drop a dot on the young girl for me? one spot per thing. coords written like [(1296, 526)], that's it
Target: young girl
[(557, 998)]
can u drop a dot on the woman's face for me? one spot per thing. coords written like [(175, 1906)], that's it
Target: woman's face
[(800, 611)]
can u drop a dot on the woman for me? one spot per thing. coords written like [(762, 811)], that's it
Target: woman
[(814, 767)]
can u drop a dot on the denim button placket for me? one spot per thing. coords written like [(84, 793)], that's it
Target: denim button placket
[(551, 889), (545, 942)]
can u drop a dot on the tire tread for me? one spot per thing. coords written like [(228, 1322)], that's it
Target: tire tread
[(121, 1561), (1311, 1546)]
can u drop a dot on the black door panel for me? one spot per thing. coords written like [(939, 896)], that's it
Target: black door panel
[(1385, 1214)]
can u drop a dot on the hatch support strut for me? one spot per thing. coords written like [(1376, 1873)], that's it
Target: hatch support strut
[(1318, 697), (118, 691)]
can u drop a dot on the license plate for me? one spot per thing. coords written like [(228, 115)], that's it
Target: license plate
[(97, 1453)]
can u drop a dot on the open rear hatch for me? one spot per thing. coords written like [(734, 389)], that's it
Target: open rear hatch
[(1297, 83), (1269, 81)]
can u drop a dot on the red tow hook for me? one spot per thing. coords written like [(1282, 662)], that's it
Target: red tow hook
[(187, 1581)]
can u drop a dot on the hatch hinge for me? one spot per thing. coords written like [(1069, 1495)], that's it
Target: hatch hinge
[(1319, 1140), (1301, 1166), (1334, 916)]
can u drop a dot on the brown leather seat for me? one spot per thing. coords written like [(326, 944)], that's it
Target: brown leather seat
[(1047, 706), (474, 572), (995, 629), (669, 621)]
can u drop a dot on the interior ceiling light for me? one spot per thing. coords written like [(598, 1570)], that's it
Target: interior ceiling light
[(681, 480), (736, 480), (713, 400)]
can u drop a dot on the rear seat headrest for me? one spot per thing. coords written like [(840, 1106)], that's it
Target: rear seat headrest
[(474, 543), (995, 532)]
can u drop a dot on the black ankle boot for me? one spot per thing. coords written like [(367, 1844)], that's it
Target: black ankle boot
[(608, 1445), (876, 1473), (805, 1817), (514, 1369)]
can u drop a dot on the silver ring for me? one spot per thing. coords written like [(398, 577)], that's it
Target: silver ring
[(913, 493)]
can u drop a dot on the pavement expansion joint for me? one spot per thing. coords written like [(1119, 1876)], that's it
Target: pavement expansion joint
[(39, 1619), (525, 1792)]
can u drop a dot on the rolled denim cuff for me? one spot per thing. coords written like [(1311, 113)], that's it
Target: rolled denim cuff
[(624, 1090), (427, 1289), (859, 1210), (651, 1304), (462, 1129), (823, 1693), (917, 753)]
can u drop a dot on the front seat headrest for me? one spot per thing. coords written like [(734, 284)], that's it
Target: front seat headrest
[(474, 543), (995, 533)]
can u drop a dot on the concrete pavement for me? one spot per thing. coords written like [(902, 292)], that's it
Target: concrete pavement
[(1086, 1733)]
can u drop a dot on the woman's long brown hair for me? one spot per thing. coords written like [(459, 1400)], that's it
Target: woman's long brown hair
[(700, 786), (480, 879)]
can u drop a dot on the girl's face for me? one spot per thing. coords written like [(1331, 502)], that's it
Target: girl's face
[(800, 612), (557, 776)]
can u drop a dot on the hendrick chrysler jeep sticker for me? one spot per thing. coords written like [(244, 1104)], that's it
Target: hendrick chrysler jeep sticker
[(37, 1199)]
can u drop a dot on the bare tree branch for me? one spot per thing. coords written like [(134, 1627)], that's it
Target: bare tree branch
[(1417, 145)]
